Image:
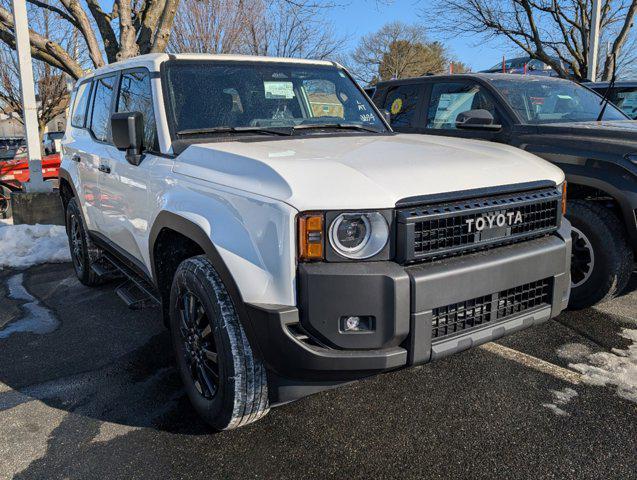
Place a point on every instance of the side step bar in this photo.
(136, 292)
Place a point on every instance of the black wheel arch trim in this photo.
(194, 232)
(627, 205)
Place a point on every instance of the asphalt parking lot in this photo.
(88, 390)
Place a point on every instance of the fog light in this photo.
(357, 324)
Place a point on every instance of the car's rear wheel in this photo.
(83, 252)
(225, 381)
(5, 202)
(602, 260)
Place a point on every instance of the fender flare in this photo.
(624, 202)
(194, 232)
(63, 174)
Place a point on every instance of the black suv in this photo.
(557, 120)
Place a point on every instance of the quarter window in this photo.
(78, 119)
(448, 100)
(402, 102)
(135, 95)
(101, 119)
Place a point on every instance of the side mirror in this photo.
(386, 116)
(476, 120)
(128, 133)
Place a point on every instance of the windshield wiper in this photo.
(606, 99)
(344, 126)
(225, 129)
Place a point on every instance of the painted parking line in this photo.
(535, 363)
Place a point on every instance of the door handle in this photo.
(76, 158)
(105, 169)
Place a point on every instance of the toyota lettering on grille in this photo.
(494, 219)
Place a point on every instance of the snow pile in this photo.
(22, 246)
(560, 398)
(617, 367)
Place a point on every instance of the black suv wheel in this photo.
(225, 381)
(602, 260)
(5, 202)
(83, 252)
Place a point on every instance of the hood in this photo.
(356, 172)
(616, 131)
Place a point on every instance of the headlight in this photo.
(359, 235)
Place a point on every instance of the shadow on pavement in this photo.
(107, 374)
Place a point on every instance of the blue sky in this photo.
(359, 17)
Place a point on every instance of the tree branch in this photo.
(86, 29)
(41, 47)
(103, 22)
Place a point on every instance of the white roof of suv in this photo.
(153, 61)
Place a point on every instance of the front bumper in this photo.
(305, 343)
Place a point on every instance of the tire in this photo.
(225, 382)
(602, 260)
(83, 252)
(5, 202)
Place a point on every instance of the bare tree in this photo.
(290, 28)
(51, 89)
(397, 50)
(554, 31)
(130, 28)
(211, 26)
(50, 83)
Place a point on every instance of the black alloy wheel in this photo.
(223, 378)
(200, 350)
(77, 253)
(5, 202)
(83, 252)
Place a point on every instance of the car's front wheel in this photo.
(224, 380)
(602, 260)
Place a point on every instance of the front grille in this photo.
(453, 228)
(525, 297)
(462, 316)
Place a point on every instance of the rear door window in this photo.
(102, 103)
(402, 104)
(448, 100)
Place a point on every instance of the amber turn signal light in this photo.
(311, 236)
(564, 198)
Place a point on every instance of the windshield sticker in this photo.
(279, 90)
(396, 106)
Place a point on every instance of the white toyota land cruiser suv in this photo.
(293, 240)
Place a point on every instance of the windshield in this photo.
(552, 101)
(229, 97)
